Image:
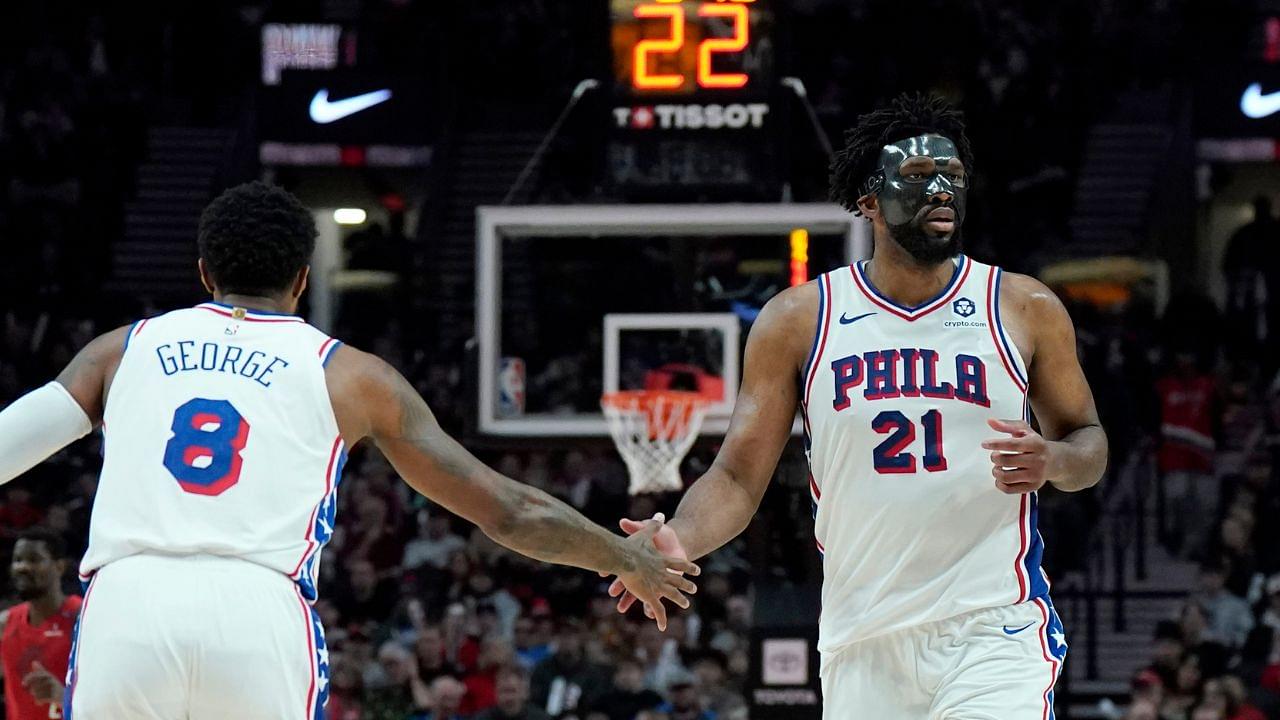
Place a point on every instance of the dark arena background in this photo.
(523, 204)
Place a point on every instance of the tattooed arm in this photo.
(372, 400)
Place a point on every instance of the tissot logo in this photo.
(1256, 105)
(691, 117)
(325, 111)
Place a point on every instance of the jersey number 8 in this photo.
(204, 453)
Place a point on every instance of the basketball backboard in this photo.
(548, 276)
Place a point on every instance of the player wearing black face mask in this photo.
(920, 185)
(907, 170)
(934, 604)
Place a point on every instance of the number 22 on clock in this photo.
(674, 14)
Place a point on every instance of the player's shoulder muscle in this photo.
(786, 326)
(1035, 311)
(366, 392)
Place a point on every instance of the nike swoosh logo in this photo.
(851, 320)
(1256, 105)
(1007, 631)
(324, 111)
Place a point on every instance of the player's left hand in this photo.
(667, 543)
(1020, 463)
(42, 684)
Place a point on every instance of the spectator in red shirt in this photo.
(1187, 401)
(513, 698)
(496, 652)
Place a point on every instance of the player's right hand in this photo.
(654, 576)
(667, 543)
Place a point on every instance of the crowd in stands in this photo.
(1219, 659)
(70, 137)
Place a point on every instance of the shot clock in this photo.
(692, 47)
(692, 83)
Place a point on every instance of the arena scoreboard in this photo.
(691, 90)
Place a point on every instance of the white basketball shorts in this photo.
(994, 664)
(195, 637)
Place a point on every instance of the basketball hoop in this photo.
(653, 430)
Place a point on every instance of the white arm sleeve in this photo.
(37, 425)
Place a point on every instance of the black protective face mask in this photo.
(907, 200)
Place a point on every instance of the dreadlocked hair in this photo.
(908, 115)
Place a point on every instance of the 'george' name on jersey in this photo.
(184, 356)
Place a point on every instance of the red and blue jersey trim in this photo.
(998, 336)
(134, 330)
(73, 664)
(1031, 578)
(818, 347)
(320, 526)
(1032, 581)
(1052, 649)
(810, 371)
(318, 652)
(327, 349)
(910, 314)
(249, 315)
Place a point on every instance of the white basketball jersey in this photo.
(895, 403)
(219, 439)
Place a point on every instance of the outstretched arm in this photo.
(47, 419)
(373, 400)
(1070, 451)
(718, 507)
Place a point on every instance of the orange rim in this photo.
(624, 399)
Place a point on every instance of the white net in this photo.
(653, 431)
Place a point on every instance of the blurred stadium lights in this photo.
(349, 216)
(799, 257)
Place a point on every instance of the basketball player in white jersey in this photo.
(916, 373)
(226, 427)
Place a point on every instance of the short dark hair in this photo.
(53, 542)
(908, 115)
(255, 238)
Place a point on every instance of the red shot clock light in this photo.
(799, 256)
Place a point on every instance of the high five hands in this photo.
(666, 542)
